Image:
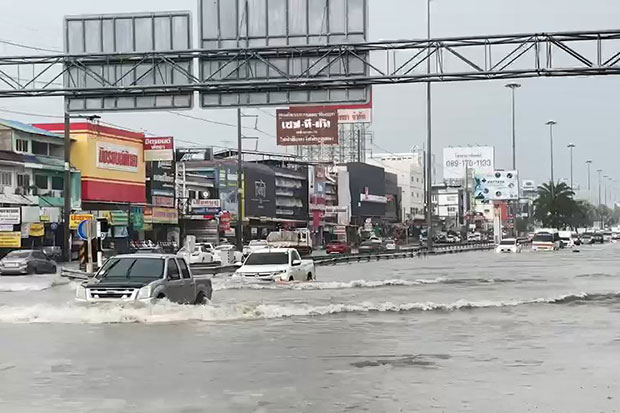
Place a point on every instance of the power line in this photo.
(25, 46)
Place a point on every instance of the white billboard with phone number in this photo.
(478, 159)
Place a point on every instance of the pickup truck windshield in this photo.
(267, 258)
(133, 268)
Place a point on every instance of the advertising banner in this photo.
(497, 186)
(161, 178)
(7, 228)
(206, 203)
(307, 127)
(117, 157)
(194, 154)
(37, 230)
(227, 185)
(260, 191)
(10, 216)
(456, 161)
(158, 149)
(75, 219)
(10, 239)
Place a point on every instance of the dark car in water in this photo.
(598, 238)
(372, 247)
(23, 262)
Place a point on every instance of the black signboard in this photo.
(194, 154)
(161, 180)
(260, 191)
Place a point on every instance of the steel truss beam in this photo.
(250, 70)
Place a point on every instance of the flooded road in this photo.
(475, 332)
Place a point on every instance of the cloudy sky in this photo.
(586, 109)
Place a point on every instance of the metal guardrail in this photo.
(402, 254)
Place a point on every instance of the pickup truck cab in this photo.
(277, 264)
(144, 278)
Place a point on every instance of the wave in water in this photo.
(169, 313)
(25, 284)
(341, 285)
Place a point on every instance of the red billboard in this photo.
(307, 126)
(158, 149)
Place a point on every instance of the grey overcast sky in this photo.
(586, 109)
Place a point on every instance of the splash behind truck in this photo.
(299, 239)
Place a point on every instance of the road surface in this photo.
(475, 332)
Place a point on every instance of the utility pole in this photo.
(66, 246)
(513, 87)
(429, 134)
(606, 178)
(570, 148)
(239, 229)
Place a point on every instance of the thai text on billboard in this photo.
(307, 127)
(477, 159)
(158, 149)
(117, 157)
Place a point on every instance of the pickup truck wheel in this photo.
(291, 279)
(161, 296)
(310, 277)
(200, 299)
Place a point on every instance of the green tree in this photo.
(555, 205)
(584, 214)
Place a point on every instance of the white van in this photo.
(546, 239)
(567, 238)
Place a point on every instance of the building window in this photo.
(40, 148)
(58, 183)
(23, 180)
(6, 179)
(40, 181)
(21, 145)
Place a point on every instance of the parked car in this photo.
(277, 264)
(199, 255)
(452, 238)
(338, 247)
(390, 245)
(22, 262)
(598, 238)
(509, 245)
(587, 238)
(474, 237)
(145, 278)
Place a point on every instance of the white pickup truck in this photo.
(277, 264)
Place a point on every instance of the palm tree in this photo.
(555, 205)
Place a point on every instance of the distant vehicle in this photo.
(587, 238)
(371, 247)
(509, 245)
(144, 278)
(277, 264)
(453, 239)
(598, 238)
(474, 237)
(220, 250)
(607, 236)
(390, 245)
(22, 262)
(567, 238)
(299, 239)
(199, 255)
(546, 240)
(338, 247)
(207, 247)
(615, 236)
(254, 245)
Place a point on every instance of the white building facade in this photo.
(409, 167)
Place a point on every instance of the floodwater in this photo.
(475, 332)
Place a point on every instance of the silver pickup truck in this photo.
(144, 278)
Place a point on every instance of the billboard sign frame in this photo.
(456, 161)
(237, 24)
(497, 186)
(158, 149)
(126, 36)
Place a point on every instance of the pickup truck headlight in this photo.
(144, 293)
(80, 293)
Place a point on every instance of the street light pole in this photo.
(429, 134)
(239, 228)
(513, 87)
(551, 124)
(606, 178)
(589, 163)
(570, 148)
(599, 186)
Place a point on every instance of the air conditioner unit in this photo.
(56, 194)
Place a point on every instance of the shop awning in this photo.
(12, 199)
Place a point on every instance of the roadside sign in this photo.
(83, 230)
(10, 239)
(76, 219)
(54, 226)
